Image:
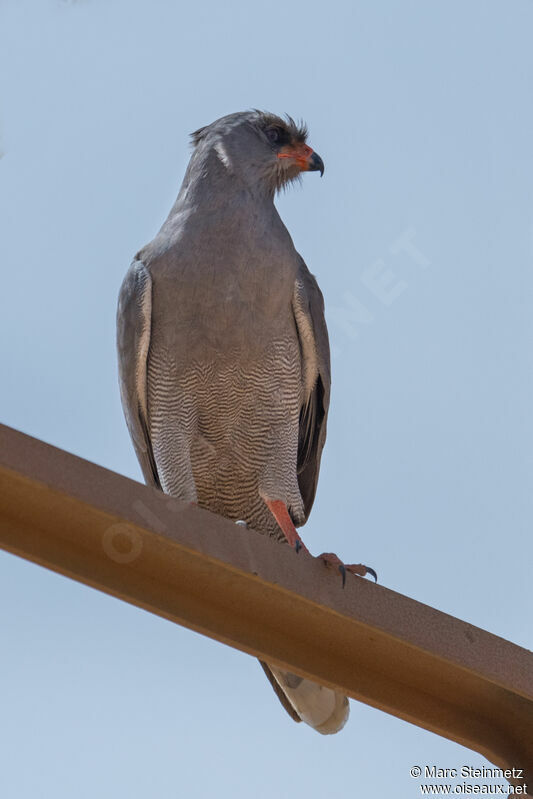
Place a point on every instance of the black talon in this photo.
(372, 572)
(298, 546)
(342, 570)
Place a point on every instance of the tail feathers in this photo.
(322, 708)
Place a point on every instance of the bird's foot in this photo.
(330, 559)
(279, 511)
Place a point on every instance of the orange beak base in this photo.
(303, 156)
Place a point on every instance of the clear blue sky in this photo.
(422, 113)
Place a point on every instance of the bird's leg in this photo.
(279, 511)
(354, 568)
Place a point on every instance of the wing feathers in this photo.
(134, 321)
(308, 309)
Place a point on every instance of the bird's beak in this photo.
(304, 157)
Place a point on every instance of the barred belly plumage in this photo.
(225, 429)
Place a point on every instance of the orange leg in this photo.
(279, 511)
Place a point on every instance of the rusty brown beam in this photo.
(242, 589)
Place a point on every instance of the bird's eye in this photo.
(273, 135)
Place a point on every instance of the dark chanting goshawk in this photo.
(224, 357)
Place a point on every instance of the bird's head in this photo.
(261, 147)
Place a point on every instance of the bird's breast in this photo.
(223, 301)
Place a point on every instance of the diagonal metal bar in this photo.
(240, 588)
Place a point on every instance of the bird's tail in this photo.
(322, 708)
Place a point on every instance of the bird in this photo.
(224, 363)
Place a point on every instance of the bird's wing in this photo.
(134, 321)
(308, 309)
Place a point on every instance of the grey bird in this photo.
(223, 353)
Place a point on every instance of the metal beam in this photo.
(241, 588)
